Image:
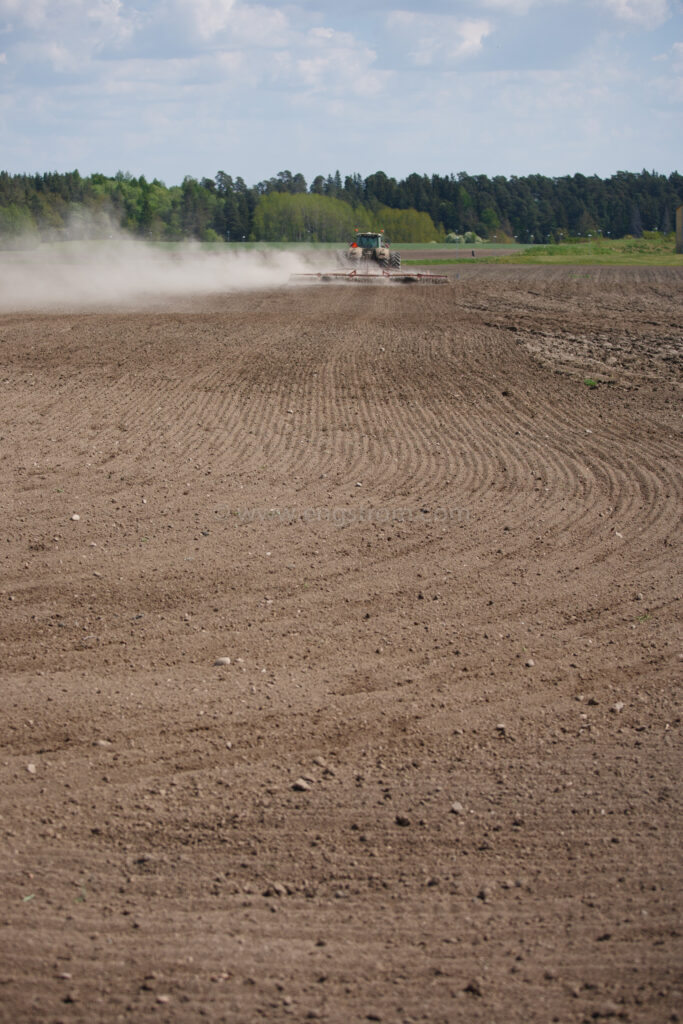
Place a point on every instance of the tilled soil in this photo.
(438, 779)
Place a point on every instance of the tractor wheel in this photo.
(383, 262)
(396, 259)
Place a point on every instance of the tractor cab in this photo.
(370, 240)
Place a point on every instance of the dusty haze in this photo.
(133, 274)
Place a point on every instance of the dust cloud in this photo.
(130, 274)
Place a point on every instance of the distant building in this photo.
(679, 228)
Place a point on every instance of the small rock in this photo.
(530, 663)
(75, 518)
(276, 889)
(402, 820)
(31, 769)
(301, 785)
(457, 807)
(163, 999)
(607, 1009)
(222, 661)
(474, 987)
(639, 597)
(619, 706)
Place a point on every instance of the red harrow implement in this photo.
(366, 277)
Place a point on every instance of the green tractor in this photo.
(372, 245)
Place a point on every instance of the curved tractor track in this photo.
(435, 532)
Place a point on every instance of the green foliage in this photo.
(17, 227)
(420, 208)
(284, 217)
(407, 225)
(657, 250)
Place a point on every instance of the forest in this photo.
(418, 208)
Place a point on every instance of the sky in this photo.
(169, 88)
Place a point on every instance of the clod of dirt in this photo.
(276, 889)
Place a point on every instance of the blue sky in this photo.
(167, 88)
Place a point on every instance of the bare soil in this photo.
(439, 779)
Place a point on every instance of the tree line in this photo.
(286, 208)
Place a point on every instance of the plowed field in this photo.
(439, 778)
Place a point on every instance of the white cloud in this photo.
(514, 6)
(209, 16)
(30, 12)
(648, 13)
(260, 27)
(670, 85)
(336, 62)
(169, 87)
(110, 21)
(433, 38)
(472, 35)
(56, 15)
(212, 22)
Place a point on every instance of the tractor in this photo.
(372, 245)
